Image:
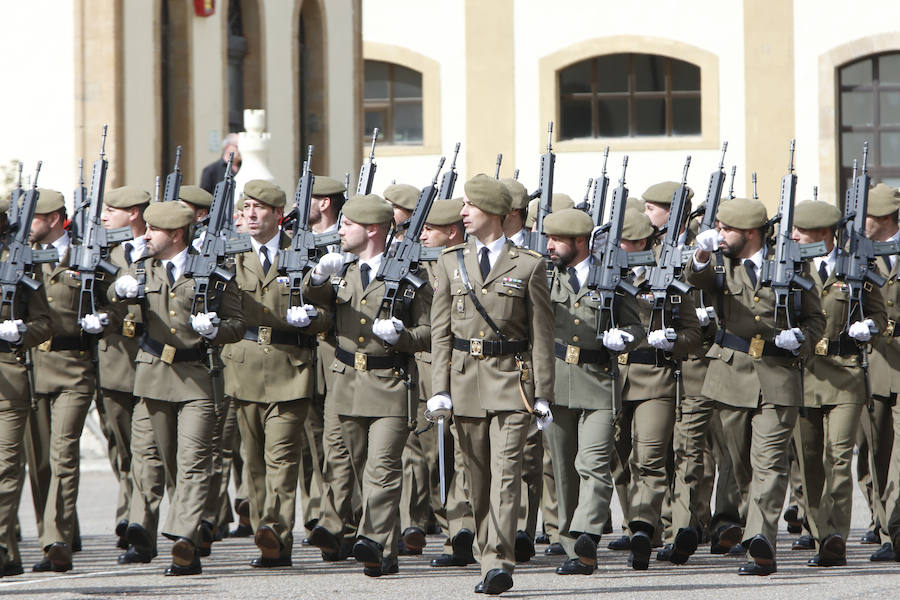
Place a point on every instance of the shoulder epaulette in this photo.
(453, 248)
(532, 252)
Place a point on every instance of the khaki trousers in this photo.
(212, 508)
(879, 415)
(312, 457)
(652, 423)
(892, 489)
(426, 443)
(37, 456)
(12, 430)
(549, 502)
(728, 506)
(692, 482)
(147, 473)
(492, 449)
(532, 482)
(116, 419)
(459, 509)
(341, 504)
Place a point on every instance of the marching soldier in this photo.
(514, 223)
(493, 326)
(757, 383)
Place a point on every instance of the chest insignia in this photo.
(460, 305)
(513, 283)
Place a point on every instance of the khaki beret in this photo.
(169, 215)
(518, 193)
(815, 215)
(401, 194)
(883, 200)
(49, 201)
(568, 222)
(239, 204)
(557, 202)
(370, 209)
(264, 191)
(445, 212)
(4, 204)
(488, 194)
(326, 186)
(661, 193)
(195, 195)
(635, 203)
(126, 197)
(636, 225)
(742, 213)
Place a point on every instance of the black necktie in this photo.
(485, 263)
(266, 263)
(751, 271)
(170, 271)
(364, 274)
(823, 270)
(128, 248)
(573, 280)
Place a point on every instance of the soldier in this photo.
(270, 374)
(371, 358)
(581, 435)
(834, 391)
(197, 199)
(172, 377)
(402, 198)
(514, 223)
(757, 383)
(32, 312)
(498, 344)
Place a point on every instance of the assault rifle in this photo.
(173, 179)
(497, 171)
(710, 206)
(448, 179)
(367, 170)
(601, 186)
(301, 256)
(537, 241)
(15, 199)
(731, 183)
(80, 201)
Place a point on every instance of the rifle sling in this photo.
(464, 275)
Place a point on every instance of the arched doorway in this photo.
(175, 87)
(311, 85)
(245, 61)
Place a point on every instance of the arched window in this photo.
(629, 95)
(393, 103)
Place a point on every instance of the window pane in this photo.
(857, 109)
(612, 73)
(407, 83)
(576, 78)
(890, 108)
(649, 73)
(890, 149)
(650, 117)
(408, 123)
(612, 118)
(685, 116)
(857, 74)
(576, 119)
(851, 147)
(685, 76)
(889, 68)
(893, 181)
(376, 79)
(375, 118)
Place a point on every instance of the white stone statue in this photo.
(254, 147)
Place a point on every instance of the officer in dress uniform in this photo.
(514, 223)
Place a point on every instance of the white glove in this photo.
(789, 339)
(297, 317)
(388, 329)
(542, 413)
(657, 338)
(438, 406)
(861, 331)
(615, 339)
(202, 324)
(328, 265)
(94, 322)
(126, 287)
(709, 240)
(703, 316)
(9, 331)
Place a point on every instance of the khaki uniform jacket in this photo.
(373, 392)
(167, 320)
(517, 298)
(884, 363)
(116, 350)
(423, 358)
(735, 378)
(272, 372)
(834, 379)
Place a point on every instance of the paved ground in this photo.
(226, 574)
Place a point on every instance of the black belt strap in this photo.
(844, 346)
(478, 305)
(734, 342)
(649, 356)
(6, 347)
(585, 356)
(391, 361)
(492, 347)
(281, 336)
(155, 348)
(68, 342)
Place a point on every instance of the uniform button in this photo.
(484, 291)
(266, 350)
(756, 318)
(361, 339)
(171, 313)
(725, 292)
(480, 334)
(756, 298)
(362, 321)
(363, 301)
(890, 302)
(49, 298)
(578, 321)
(130, 316)
(171, 294)
(172, 330)
(577, 304)
(266, 310)
(574, 338)
(824, 312)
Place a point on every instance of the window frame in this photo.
(387, 105)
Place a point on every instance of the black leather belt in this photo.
(481, 347)
(646, 356)
(842, 347)
(364, 362)
(580, 356)
(67, 342)
(267, 335)
(756, 348)
(5, 347)
(169, 354)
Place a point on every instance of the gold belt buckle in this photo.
(822, 347)
(476, 347)
(889, 330)
(168, 354)
(128, 328)
(264, 336)
(622, 359)
(756, 346)
(359, 361)
(573, 353)
(45, 346)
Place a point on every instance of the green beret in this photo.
(239, 204)
(4, 204)
(169, 215)
(815, 215)
(636, 225)
(195, 195)
(401, 194)
(488, 194)
(49, 201)
(445, 212)
(126, 197)
(635, 203)
(661, 193)
(742, 213)
(264, 191)
(557, 202)
(883, 200)
(326, 186)
(518, 193)
(568, 222)
(370, 209)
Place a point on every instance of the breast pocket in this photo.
(509, 300)
(460, 305)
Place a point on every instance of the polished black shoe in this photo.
(737, 550)
(404, 550)
(607, 527)
(449, 560)
(138, 537)
(727, 536)
(678, 553)
(57, 558)
(524, 548)
(11, 569)
(177, 570)
(497, 581)
(184, 553)
(884, 554)
(206, 539)
(268, 542)
(76, 544)
(433, 529)
(639, 559)
(554, 549)
(897, 543)
(620, 543)
(324, 540)
(368, 552)
(261, 562)
(414, 538)
(792, 518)
(752, 568)
(586, 548)
(832, 551)
(136, 555)
(479, 587)
(804, 542)
(121, 527)
(462, 544)
(763, 554)
(241, 531)
(304, 541)
(387, 566)
(542, 539)
(818, 561)
(122, 543)
(665, 553)
(870, 537)
(574, 566)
